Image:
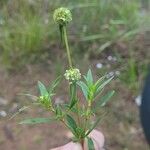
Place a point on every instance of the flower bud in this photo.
(62, 16)
(72, 75)
(45, 101)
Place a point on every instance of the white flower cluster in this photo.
(62, 16)
(72, 75)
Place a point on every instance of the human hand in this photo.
(96, 136)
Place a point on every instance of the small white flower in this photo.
(72, 75)
(99, 65)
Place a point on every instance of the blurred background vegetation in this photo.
(28, 33)
(110, 35)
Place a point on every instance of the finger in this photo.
(98, 139)
(69, 146)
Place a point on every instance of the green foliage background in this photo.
(28, 31)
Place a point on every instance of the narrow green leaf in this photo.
(117, 22)
(19, 111)
(81, 132)
(72, 104)
(129, 34)
(54, 84)
(105, 45)
(73, 93)
(93, 126)
(101, 86)
(89, 77)
(83, 5)
(42, 88)
(92, 37)
(90, 144)
(33, 97)
(71, 124)
(105, 99)
(91, 92)
(23, 108)
(84, 88)
(58, 111)
(99, 81)
(36, 120)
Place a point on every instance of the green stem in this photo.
(67, 45)
(73, 97)
(88, 116)
(78, 113)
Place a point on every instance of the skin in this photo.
(96, 136)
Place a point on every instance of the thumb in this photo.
(69, 146)
(98, 139)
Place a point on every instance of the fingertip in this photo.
(98, 138)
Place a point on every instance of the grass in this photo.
(28, 33)
(22, 34)
(27, 29)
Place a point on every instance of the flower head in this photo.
(62, 16)
(72, 75)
